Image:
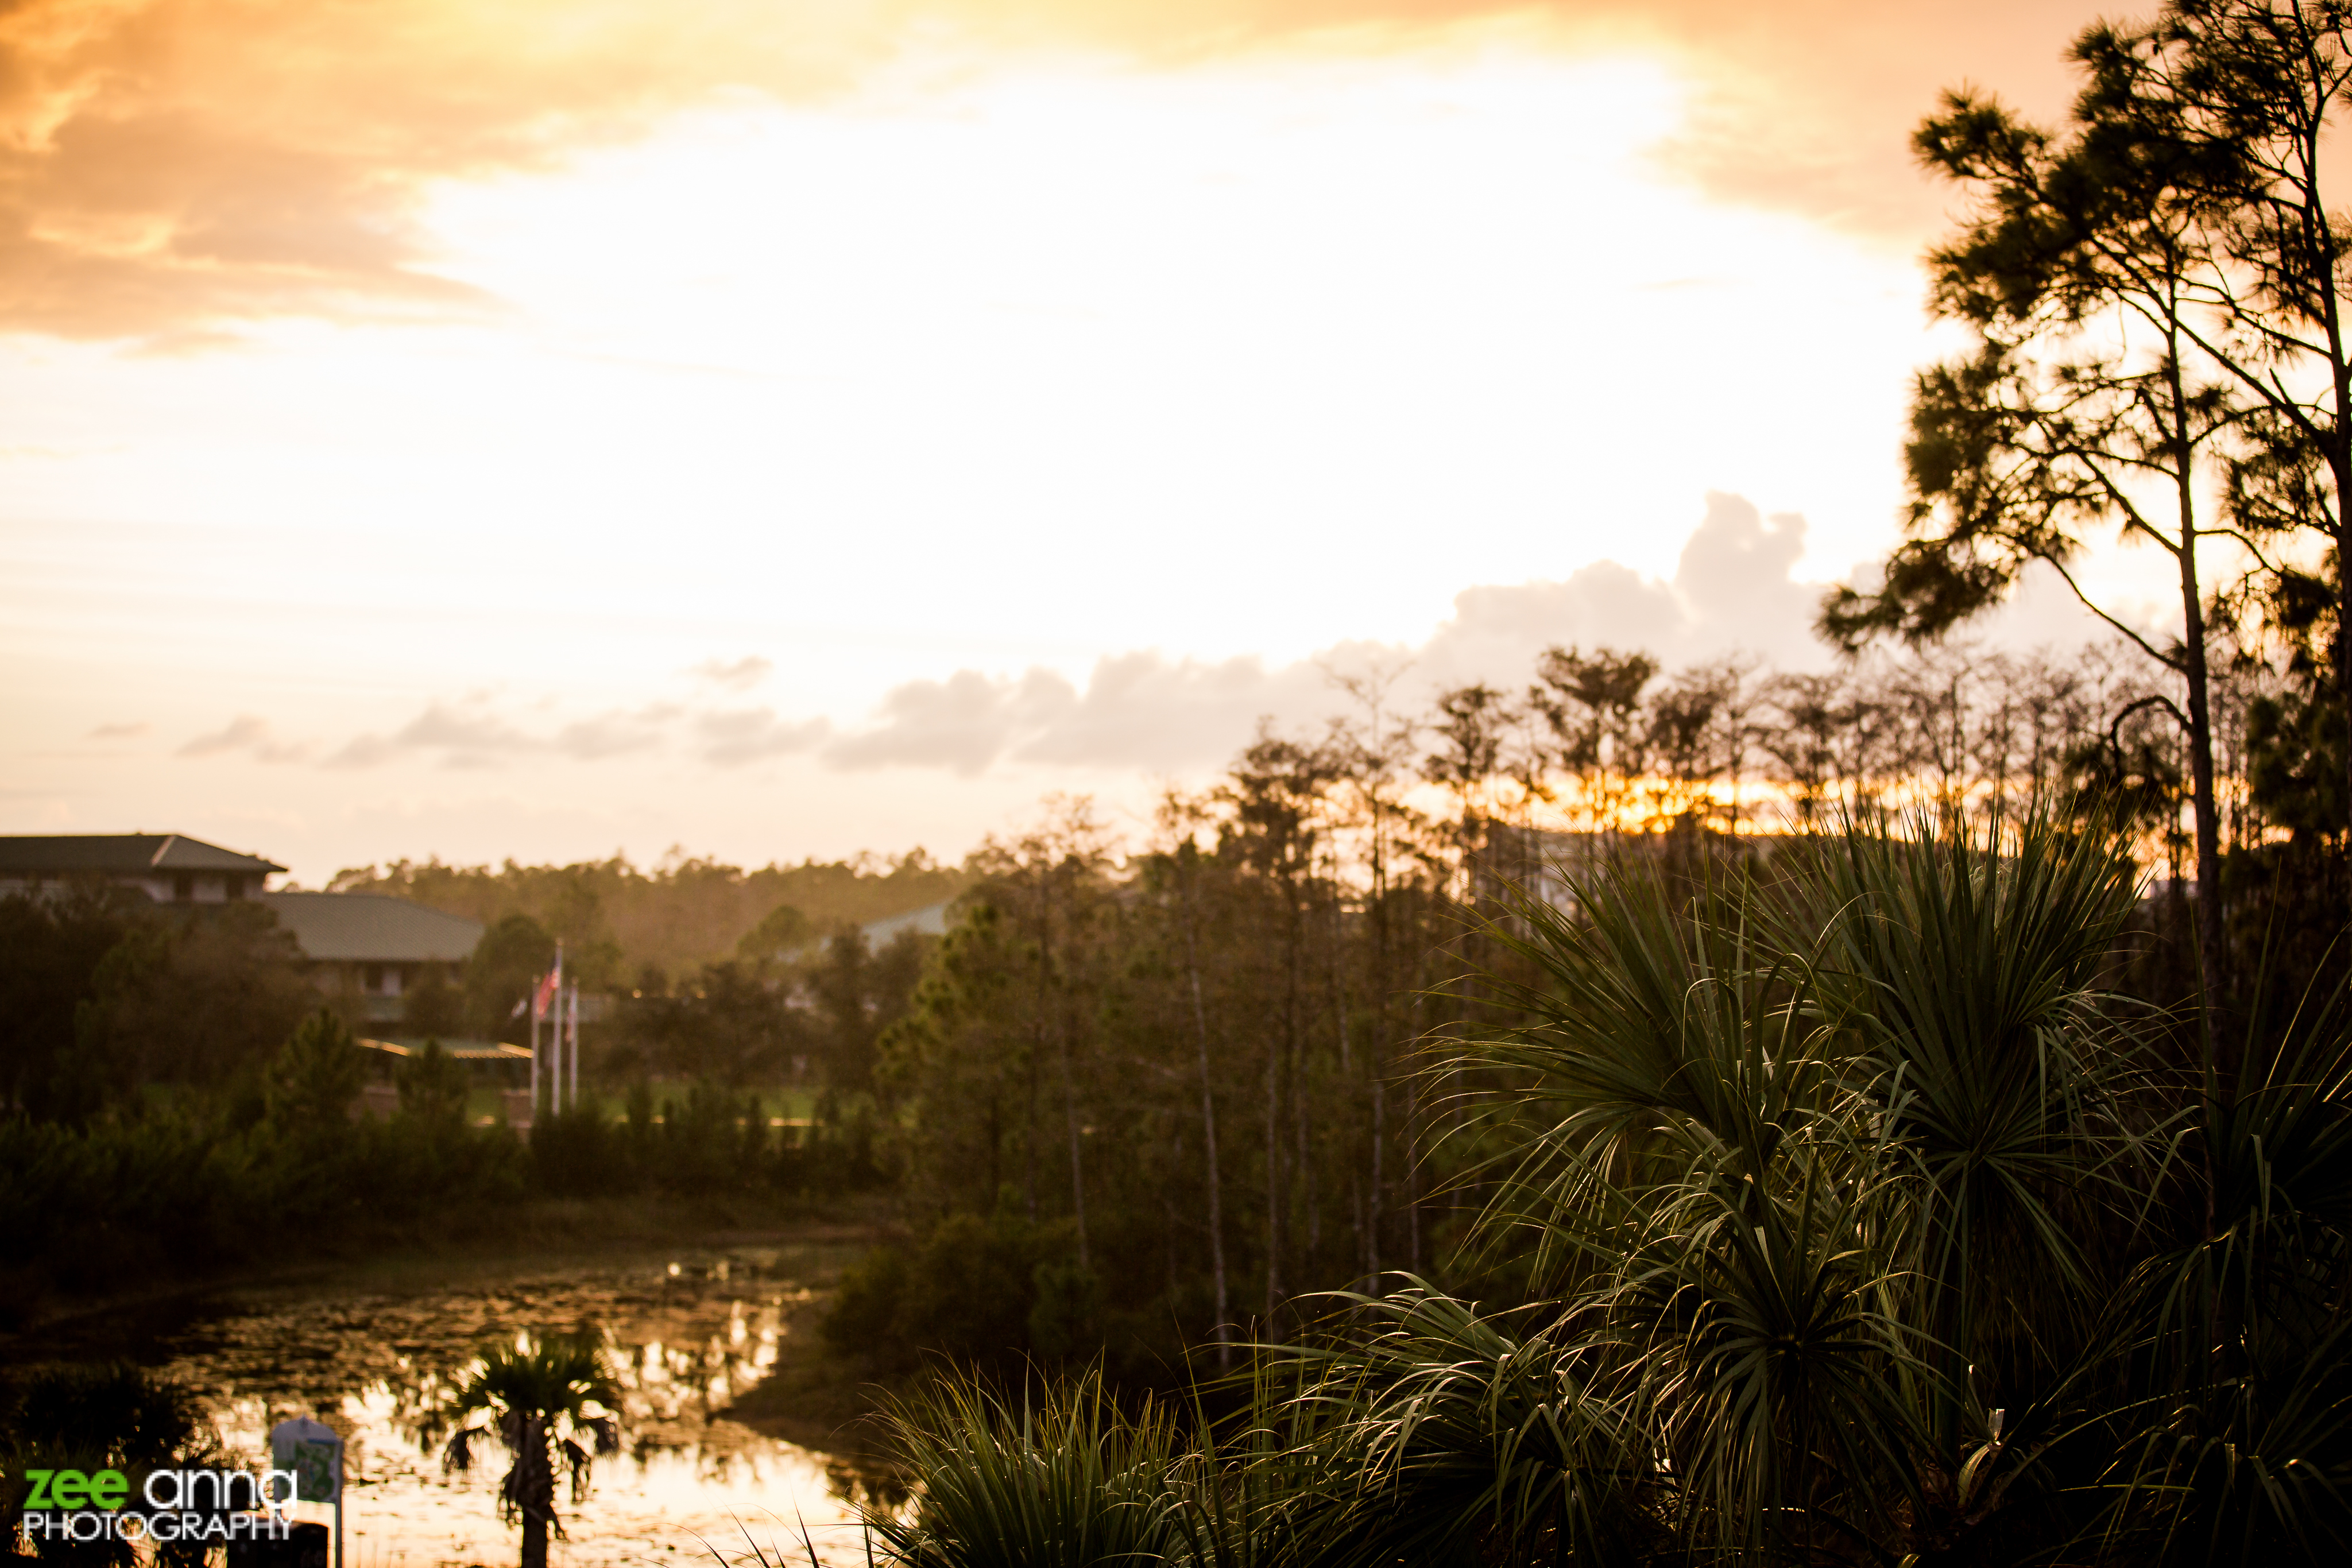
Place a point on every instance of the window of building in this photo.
(183, 886)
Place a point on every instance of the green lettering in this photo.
(40, 1498)
(107, 1489)
(68, 1489)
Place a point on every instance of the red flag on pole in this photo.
(544, 995)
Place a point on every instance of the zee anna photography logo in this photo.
(180, 1505)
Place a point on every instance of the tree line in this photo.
(1841, 1213)
(626, 928)
(1173, 1088)
(1908, 1189)
(1169, 1086)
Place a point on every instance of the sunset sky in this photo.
(531, 428)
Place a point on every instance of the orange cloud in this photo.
(170, 165)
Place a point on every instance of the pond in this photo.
(690, 1332)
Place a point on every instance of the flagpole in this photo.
(534, 1050)
(576, 1045)
(556, 1007)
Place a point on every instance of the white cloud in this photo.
(245, 732)
(962, 723)
(1139, 710)
(614, 734)
(467, 740)
(469, 734)
(363, 751)
(1732, 590)
(737, 736)
(739, 675)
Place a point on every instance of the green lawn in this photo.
(788, 1103)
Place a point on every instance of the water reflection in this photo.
(687, 1335)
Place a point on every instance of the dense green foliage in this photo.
(104, 1416)
(813, 1016)
(196, 1182)
(1061, 1479)
(193, 1187)
(1188, 1076)
(174, 1098)
(617, 922)
(102, 992)
(1862, 1221)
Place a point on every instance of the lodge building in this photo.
(169, 868)
(353, 944)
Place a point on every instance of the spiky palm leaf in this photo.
(1798, 1142)
(1443, 1434)
(1060, 1480)
(550, 1402)
(1868, 1229)
(1959, 971)
(1659, 1035)
(2247, 1442)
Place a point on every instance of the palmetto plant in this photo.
(1061, 1479)
(1864, 1226)
(1863, 1219)
(549, 1403)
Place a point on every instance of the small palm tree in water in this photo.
(550, 1403)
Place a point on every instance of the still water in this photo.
(688, 1333)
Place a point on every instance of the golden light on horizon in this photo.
(443, 404)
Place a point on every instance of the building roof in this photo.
(456, 1049)
(117, 854)
(372, 928)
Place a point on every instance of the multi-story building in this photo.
(372, 949)
(169, 868)
(360, 945)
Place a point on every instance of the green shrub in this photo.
(863, 1320)
(986, 1292)
(576, 1152)
(1067, 1480)
(433, 1087)
(316, 1074)
(112, 1416)
(1065, 1315)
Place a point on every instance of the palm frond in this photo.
(1960, 970)
(1660, 1033)
(540, 1397)
(1446, 1435)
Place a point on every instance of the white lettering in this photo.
(178, 1485)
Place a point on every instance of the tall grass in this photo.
(1057, 1479)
